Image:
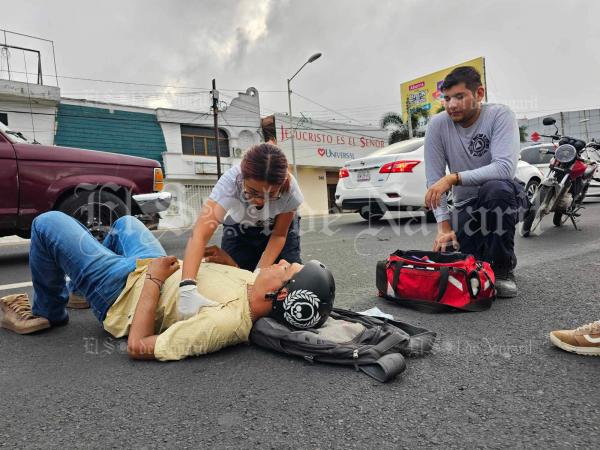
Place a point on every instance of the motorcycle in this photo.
(563, 190)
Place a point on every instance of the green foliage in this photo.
(523, 133)
(393, 122)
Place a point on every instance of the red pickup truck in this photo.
(94, 187)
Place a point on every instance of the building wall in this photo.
(320, 148)
(30, 109)
(241, 122)
(313, 184)
(581, 124)
(191, 178)
(110, 128)
(20, 119)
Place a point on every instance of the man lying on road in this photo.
(133, 290)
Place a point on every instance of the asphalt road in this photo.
(493, 380)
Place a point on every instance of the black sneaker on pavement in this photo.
(506, 287)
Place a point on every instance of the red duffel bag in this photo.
(436, 281)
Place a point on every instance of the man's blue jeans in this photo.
(247, 244)
(485, 227)
(61, 246)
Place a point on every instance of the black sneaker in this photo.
(506, 287)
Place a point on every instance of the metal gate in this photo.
(186, 203)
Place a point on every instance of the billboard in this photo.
(424, 92)
(326, 144)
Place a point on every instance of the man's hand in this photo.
(216, 254)
(190, 302)
(433, 197)
(445, 239)
(162, 268)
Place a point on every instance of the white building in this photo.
(321, 149)
(581, 124)
(30, 109)
(190, 160)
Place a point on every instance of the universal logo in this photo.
(328, 153)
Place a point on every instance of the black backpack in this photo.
(374, 345)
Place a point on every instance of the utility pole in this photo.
(215, 108)
(292, 130)
(408, 120)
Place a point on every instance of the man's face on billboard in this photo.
(461, 103)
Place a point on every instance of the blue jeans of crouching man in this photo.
(61, 246)
(246, 244)
(485, 226)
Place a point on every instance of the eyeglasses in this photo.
(252, 195)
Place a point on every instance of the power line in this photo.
(323, 106)
(131, 83)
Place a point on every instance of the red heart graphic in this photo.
(321, 151)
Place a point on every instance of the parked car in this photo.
(393, 179)
(94, 187)
(537, 156)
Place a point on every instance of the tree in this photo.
(415, 115)
(393, 122)
(523, 133)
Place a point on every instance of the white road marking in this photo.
(6, 287)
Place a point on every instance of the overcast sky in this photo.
(541, 56)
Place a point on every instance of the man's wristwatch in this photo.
(188, 282)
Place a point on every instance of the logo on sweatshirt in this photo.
(479, 145)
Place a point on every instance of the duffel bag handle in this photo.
(443, 285)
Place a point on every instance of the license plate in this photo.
(363, 175)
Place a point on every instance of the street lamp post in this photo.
(311, 59)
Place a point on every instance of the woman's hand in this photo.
(190, 302)
(211, 216)
(217, 255)
(162, 268)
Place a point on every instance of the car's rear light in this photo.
(344, 173)
(398, 166)
(159, 181)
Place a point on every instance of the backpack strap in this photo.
(421, 339)
(385, 368)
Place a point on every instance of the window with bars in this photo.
(200, 141)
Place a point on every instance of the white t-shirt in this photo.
(228, 192)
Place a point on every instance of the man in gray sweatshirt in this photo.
(479, 143)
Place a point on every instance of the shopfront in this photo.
(321, 149)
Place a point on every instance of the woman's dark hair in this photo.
(464, 74)
(266, 162)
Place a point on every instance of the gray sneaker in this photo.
(506, 287)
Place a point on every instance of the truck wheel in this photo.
(96, 210)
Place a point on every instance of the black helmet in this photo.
(310, 297)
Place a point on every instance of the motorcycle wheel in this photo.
(534, 215)
(559, 219)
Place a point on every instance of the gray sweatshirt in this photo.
(487, 150)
